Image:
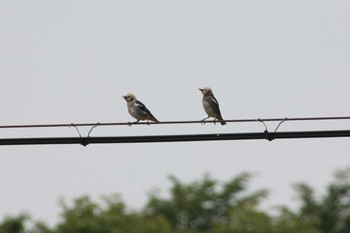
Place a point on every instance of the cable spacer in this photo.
(82, 141)
(285, 119)
(267, 134)
(93, 128)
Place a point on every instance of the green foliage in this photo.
(40, 227)
(82, 217)
(111, 216)
(245, 218)
(202, 206)
(331, 213)
(289, 222)
(14, 224)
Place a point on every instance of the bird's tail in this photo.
(222, 122)
(152, 118)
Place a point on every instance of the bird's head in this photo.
(206, 91)
(129, 97)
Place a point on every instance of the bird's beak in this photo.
(124, 97)
(200, 89)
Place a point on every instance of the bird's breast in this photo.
(208, 108)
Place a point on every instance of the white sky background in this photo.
(71, 61)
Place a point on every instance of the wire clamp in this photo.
(93, 128)
(82, 141)
(267, 134)
(285, 119)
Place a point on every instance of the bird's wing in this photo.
(142, 107)
(215, 105)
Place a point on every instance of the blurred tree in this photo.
(331, 213)
(86, 216)
(245, 218)
(204, 206)
(14, 224)
(289, 222)
(40, 227)
(82, 217)
(198, 206)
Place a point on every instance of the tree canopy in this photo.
(202, 206)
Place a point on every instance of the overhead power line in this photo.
(173, 122)
(175, 138)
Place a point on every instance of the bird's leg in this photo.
(214, 121)
(203, 121)
(130, 123)
(148, 123)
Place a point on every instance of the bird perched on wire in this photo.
(211, 105)
(137, 109)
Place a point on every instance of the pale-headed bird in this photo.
(211, 105)
(137, 109)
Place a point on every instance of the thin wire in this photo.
(174, 122)
(76, 128)
(280, 124)
(93, 128)
(262, 121)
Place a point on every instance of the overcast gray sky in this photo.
(71, 61)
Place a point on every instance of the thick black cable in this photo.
(175, 138)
